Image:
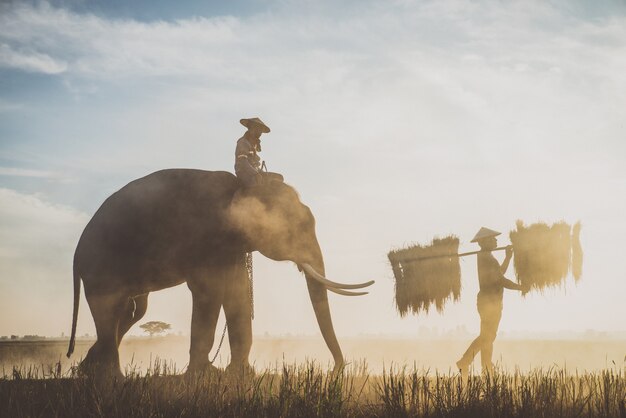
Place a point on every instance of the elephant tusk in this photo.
(308, 269)
(346, 292)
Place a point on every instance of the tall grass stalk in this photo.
(308, 390)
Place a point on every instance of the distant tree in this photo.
(155, 327)
(33, 337)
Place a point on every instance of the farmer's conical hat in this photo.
(248, 123)
(485, 233)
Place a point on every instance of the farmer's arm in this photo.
(507, 259)
(508, 284)
(496, 275)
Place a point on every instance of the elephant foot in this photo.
(240, 370)
(101, 363)
(99, 371)
(204, 368)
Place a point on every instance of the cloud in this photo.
(37, 241)
(268, 47)
(400, 84)
(30, 61)
(32, 227)
(8, 106)
(447, 67)
(24, 172)
(101, 48)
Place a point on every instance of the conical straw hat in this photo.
(485, 233)
(255, 121)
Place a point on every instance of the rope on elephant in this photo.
(250, 281)
(220, 344)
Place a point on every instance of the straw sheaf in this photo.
(421, 282)
(577, 253)
(543, 254)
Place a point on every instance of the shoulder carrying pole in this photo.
(452, 255)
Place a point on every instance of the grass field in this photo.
(38, 386)
(306, 390)
(434, 354)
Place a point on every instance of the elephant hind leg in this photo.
(103, 357)
(135, 310)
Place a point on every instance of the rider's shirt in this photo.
(247, 161)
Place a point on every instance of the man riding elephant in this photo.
(248, 167)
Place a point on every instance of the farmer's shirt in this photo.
(247, 161)
(489, 277)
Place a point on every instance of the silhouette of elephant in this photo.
(194, 226)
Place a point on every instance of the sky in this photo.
(396, 121)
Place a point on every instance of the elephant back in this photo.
(170, 219)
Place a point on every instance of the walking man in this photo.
(492, 284)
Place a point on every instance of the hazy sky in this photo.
(396, 120)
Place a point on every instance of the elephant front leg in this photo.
(238, 310)
(205, 312)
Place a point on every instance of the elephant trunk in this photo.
(319, 300)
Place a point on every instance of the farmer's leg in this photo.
(489, 330)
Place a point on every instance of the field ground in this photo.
(525, 355)
(400, 378)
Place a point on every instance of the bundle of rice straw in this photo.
(577, 253)
(423, 280)
(543, 253)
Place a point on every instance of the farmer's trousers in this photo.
(490, 311)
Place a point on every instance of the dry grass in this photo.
(307, 390)
(422, 281)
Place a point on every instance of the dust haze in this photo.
(578, 353)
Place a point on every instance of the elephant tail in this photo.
(75, 313)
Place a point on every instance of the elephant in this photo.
(194, 226)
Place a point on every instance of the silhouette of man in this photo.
(489, 301)
(247, 161)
